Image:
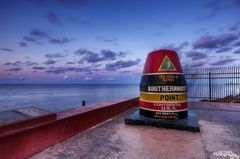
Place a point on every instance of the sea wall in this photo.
(31, 140)
(32, 121)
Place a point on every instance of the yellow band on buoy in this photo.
(163, 97)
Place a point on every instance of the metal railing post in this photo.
(210, 86)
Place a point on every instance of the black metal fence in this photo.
(221, 84)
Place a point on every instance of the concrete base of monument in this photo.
(190, 123)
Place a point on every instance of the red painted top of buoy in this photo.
(161, 61)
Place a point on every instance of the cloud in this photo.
(214, 7)
(83, 52)
(65, 69)
(70, 63)
(122, 64)
(29, 63)
(37, 35)
(77, 21)
(84, 22)
(125, 71)
(23, 44)
(29, 39)
(20, 63)
(20, 78)
(237, 44)
(8, 64)
(174, 46)
(224, 49)
(182, 45)
(89, 56)
(121, 54)
(235, 27)
(17, 63)
(88, 78)
(214, 4)
(108, 54)
(61, 41)
(168, 47)
(7, 49)
(223, 62)
(53, 18)
(201, 30)
(38, 68)
(57, 55)
(195, 55)
(214, 42)
(110, 79)
(80, 62)
(59, 70)
(104, 55)
(158, 34)
(208, 16)
(50, 62)
(237, 3)
(14, 69)
(237, 51)
(196, 64)
(165, 25)
(102, 38)
(72, 2)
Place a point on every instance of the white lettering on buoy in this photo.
(167, 88)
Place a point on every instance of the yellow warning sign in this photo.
(163, 97)
(167, 65)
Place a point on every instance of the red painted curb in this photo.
(25, 143)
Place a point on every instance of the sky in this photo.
(107, 41)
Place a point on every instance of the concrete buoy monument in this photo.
(163, 94)
(163, 88)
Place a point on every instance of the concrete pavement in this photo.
(220, 131)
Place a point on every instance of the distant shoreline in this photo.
(227, 99)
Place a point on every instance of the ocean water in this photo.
(220, 88)
(60, 97)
